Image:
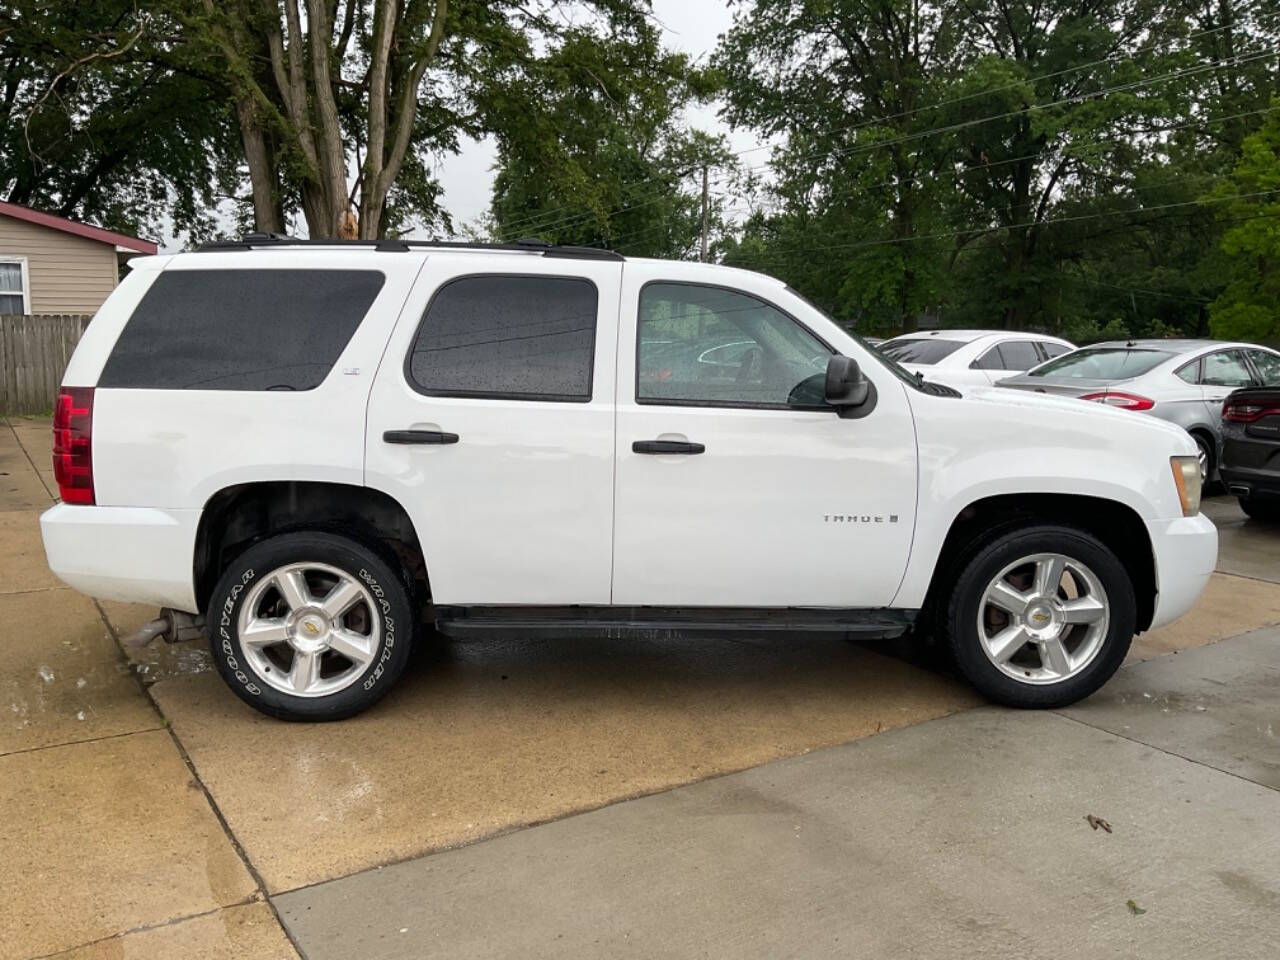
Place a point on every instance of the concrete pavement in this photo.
(145, 812)
(961, 837)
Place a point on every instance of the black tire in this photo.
(965, 597)
(392, 607)
(1268, 511)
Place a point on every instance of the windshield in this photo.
(922, 350)
(1102, 363)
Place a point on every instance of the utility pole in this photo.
(703, 255)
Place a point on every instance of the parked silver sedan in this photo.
(1182, 381)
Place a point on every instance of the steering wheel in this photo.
(750, 358)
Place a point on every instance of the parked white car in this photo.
(323, 448)
(966, 358)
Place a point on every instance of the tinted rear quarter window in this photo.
(505, 336)
(240, 329)
(1019, 354)
(922, 350)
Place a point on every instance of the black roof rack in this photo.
(252, 241)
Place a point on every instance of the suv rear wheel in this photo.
(310, 626)
(1041, 617)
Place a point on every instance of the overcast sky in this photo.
(691, 26)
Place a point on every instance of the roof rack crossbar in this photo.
(400, 245)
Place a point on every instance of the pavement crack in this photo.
(1165, 751)
(27, 453)
(72, 743)
(261, 892)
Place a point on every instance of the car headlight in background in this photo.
(1188, 479)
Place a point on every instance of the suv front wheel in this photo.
(310, 626)
(1041, 617)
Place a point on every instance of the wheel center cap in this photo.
(1041, 619)
(311, 633)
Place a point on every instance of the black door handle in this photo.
(666, 446)
(419, 436)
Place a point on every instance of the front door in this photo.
(736, 485)
(491, 421)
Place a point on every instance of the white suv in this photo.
(325, 449)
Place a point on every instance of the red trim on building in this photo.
(19, 212)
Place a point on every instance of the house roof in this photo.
(19, 212)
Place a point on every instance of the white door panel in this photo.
(519, 509)
(783, 508)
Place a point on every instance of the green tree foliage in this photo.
(1024, 164)
(102, 121)
(1249, 307)
(591, 148)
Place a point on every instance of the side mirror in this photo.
(845, 385)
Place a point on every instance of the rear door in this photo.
(491, 421)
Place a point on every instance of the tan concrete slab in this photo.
(35, 434)
(104, 837)
(22, 563)
(1247, 548)
(1229, 607)
(20, 485)
(488, 736)
(64, 678)
(250, 932)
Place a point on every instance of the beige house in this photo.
(51, 265)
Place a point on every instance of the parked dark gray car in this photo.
(1182, 381)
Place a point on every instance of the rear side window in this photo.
(240, 329)
(991, 360)
(1019, 354)
(1052, 349)
(1268, 366)
(504, 336)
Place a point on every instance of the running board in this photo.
(667, 622)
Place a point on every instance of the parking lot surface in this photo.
(147, 812)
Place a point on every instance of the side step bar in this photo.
(666, 622)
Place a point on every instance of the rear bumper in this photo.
(132, 554)
(1186, 552)
(1250, 483)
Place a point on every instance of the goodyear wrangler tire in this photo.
(310, 626)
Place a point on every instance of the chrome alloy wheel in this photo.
(1043, 618)
(309, 629)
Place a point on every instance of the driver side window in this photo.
(710, 346)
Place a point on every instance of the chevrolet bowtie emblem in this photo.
(311, 628)
(1040, 617)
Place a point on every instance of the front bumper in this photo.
(1186, 553)
(132, 554)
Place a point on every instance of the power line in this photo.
(630, 238)
(874, 121)
(1236, 60)
(978, 231)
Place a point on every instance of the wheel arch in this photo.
(1115, 524)
(236, 517)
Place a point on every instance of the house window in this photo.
(13, 287)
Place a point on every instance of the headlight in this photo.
(1188, 479)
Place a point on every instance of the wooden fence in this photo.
(34, 351)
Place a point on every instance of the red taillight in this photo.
(1123, 401)
(73, 444)
(1242, 411)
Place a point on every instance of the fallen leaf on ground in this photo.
(1097, 822)
(1136, 910)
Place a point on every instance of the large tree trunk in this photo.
(268, 216)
